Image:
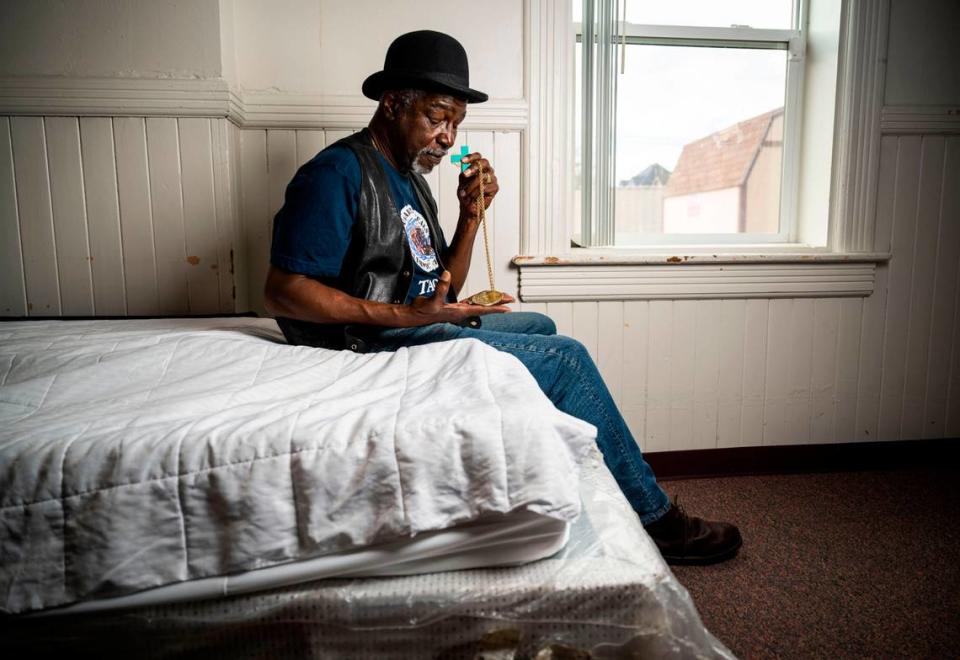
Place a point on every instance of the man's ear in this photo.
(389, 102)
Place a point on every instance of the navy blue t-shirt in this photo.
(312, 231)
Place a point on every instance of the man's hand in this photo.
(436, 310)
(469, 186)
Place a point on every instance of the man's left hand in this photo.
(469, 186)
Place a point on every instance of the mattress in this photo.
(141, 454)
(606, 594)
(514, 538)
(533, 491)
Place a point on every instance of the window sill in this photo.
(697, 272)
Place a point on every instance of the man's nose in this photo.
(447, 137)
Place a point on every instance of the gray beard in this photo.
(420, 168)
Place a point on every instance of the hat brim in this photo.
(381, 81)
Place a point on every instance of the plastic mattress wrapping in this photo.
(606, 594)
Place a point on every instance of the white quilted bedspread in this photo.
(139, 453)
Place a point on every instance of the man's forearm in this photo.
(309, 300)
(459, 253)
(300, 297)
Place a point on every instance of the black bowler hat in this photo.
(424, 60)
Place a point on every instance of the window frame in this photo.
(839, 161)
(598, 113)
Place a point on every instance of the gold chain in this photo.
(483, 217)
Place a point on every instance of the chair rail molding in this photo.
(116, 97)
(277, 110)
(920, 119)
(167, 97)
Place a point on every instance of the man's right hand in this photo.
(436, 310)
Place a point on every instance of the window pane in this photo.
(699, 141)
(771, 14)
(768, 14)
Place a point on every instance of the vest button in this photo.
(406, 273)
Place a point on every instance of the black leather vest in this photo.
(377, 265)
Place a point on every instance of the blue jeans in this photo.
(567, 375)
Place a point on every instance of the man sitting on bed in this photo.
(359, 262)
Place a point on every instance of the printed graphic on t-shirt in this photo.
(418, 237)
(427, 287)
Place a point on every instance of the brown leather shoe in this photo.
(685, 539)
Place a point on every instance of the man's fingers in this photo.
(472, 160)
(489, 183)
(473, 169)
(476, 162)
(472, 309)
(470, 183)
(435, 302)
(493, 309)
(443, 284)
(490, 188)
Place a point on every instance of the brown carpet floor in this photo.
(833, 565)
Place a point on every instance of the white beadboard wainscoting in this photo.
(129, 215)
(117, 216)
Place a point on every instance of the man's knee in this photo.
(523, 323)
(569, 348)
(541, 324)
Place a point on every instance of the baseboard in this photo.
(786, 459)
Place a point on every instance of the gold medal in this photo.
(486, 298)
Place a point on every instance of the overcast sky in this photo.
(670, 96)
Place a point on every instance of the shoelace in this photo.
(684, 518)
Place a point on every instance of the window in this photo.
(687, 121)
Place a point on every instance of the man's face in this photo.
(428, 128)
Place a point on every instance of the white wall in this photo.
(110, 38)
(277, 45)
(923, 52)
(330, 46)
(228, 40)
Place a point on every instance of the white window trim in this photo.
(863, 63)
(547, 224)
(698, 278)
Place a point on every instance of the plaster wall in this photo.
(923, 52)
(328, 46)
(110, 38)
